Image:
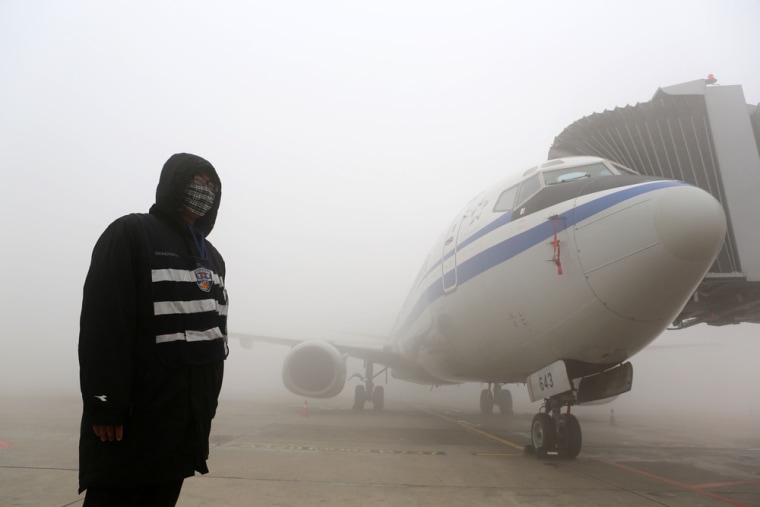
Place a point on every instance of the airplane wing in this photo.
(369, 348)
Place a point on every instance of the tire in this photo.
(486, 402)
(504, 401)
(543, 434)
(572, 439)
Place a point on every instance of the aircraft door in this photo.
(449, 259)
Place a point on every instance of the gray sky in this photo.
(347, 135)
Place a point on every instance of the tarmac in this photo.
(280, 452)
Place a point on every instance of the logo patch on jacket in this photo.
(204, 278)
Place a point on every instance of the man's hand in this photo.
(109, 433)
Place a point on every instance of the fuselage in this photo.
(578, 259)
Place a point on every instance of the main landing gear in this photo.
(369, 392)
(553, 432)
(495, 395)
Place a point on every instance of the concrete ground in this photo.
(265, 452)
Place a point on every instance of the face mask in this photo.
(198, 199)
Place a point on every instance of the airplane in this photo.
(554, 279)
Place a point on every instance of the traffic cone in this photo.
(305, 409)
(613, 421)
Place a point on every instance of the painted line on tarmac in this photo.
(717, 485)
(473, 429)
(350, 450)
(699, 490)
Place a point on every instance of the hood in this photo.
(175, 175)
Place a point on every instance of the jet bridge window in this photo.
(575, 173)
(506, 200)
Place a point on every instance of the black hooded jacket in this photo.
(152, 340)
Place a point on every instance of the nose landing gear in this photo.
(555, 433)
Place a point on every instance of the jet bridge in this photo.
(706, 135)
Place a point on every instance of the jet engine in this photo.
(314, 369)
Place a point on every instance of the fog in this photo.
(346, 134)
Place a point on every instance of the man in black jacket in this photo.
(152, 343)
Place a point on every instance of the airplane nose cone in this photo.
(644, 259)
(690, 223)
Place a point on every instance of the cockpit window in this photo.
(506, 200)
(550, 174)
(575, 173)
(528, 188)
(624, 170)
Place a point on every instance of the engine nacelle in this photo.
(314, 369)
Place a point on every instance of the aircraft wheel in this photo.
(486, 402)
(570, 437)
(504, 401)
(543, 434)
(359, 398)
(378, 398)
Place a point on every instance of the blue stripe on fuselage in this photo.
(505, 250)
(500, 221)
